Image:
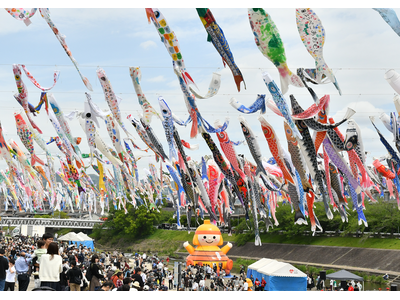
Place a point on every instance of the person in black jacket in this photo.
(138, 277)
(74, 276)
(3, 267)
(95, 271)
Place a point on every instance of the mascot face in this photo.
(209, 239)
(207, 235)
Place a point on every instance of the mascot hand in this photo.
(185, 244)
(229, 245)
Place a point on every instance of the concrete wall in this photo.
(354, 258)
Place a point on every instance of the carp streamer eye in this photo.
(272, 88)
(103, 78)
(164, 111)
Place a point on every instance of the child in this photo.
(36, 260)
(10, 276)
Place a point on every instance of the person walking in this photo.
(10, 276)
(22, 269)
(74, 276)
(4, 265)
(51, 267)
(95, 273)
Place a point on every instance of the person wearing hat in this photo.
(3, 268)
(136, 286)
(114, 276)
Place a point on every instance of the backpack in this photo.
(89, 274)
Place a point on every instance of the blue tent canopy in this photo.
(279, 276)
(88, 244)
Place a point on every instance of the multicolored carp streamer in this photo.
(22, 96)
(33, 80)
(280, 102)
(111, 98)
(258, 105)
(213, 88)
(22, 14)
(312, 33)
(269, 42)
(148, 110)
(217, 38)
(170, 41)
(45, 12)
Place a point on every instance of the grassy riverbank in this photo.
(171, 240)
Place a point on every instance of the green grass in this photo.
(378, 243)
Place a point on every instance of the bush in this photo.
(242, 239)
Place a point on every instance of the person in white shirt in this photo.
(202, 284)
(51, 267)
(10, 276)
(144, 276)
(170, 281)
(245, 286)
(195, 286)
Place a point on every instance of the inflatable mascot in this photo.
(207, 238)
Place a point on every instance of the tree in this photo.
(137, 223)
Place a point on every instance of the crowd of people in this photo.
(43, 263)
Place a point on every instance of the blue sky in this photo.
(359, 46)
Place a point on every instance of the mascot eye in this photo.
(204, 237)
(214, 237)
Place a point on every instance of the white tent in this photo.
(71, 236)
(78, 239)
(84, 236)
(253, 268)
(283, 270)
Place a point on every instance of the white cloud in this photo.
(148, 44)
(160, 78)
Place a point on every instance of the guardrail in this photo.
(58, 223)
